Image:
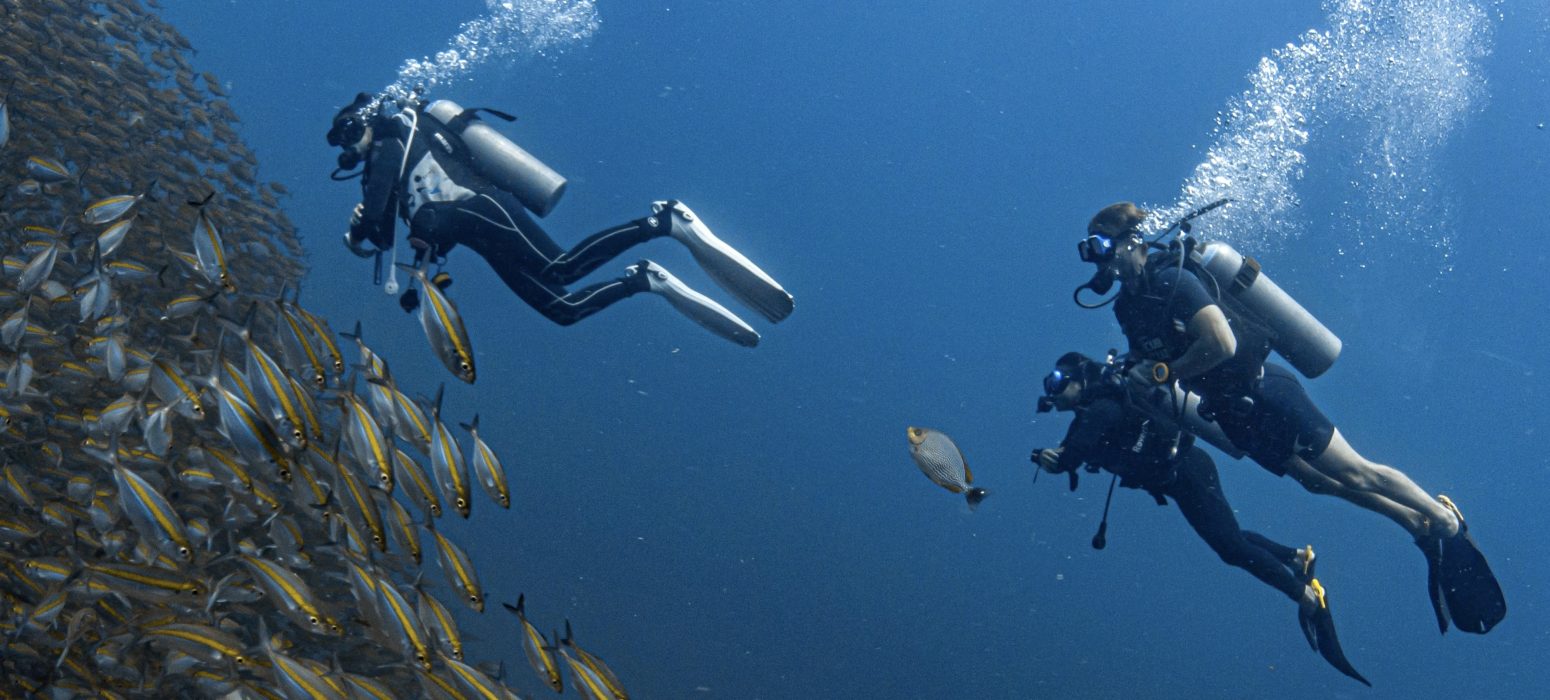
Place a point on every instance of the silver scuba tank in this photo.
(504, 163)
(1295, 334)
(1170, 404)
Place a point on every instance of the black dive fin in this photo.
(1319, 627)
(1431, 547)
(1473, 596)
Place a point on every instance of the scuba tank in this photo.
(1294, 333)
(1168, 404)
(1172, 405)
(499, 160)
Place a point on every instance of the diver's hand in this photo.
(1048, 459)
(355, 216)
(359, 249)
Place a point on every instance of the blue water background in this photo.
(724, 523)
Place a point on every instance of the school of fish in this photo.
(205, 491)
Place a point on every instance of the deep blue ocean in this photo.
(718, 522)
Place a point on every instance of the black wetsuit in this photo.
(1107, 435)
(1260, 406)
(447, 203)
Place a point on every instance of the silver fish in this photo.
(47, 170)
(38, 269)
(110, 208)
(487, 467)
(209, 250)
(443, 326)
(942, 462)
(152, 515)
(113, 236)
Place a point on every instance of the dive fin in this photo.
(1431, 548)
(1473, 595)
(702, 309)
(730, 269)
(1318, 625)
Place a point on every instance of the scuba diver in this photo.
(1214, 344)
(455, 180)
(1107, 432)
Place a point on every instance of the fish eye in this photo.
(461, 504)
(312, 620)
(185, 553)
(285, 475)
(240, 660)
(473, 599)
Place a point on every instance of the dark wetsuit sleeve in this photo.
(379, 194)
(1088, 430)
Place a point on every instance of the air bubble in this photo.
(1379, 91)
(513, 29)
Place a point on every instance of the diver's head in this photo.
(1065, 388)
(351, 131)
(1114, 243)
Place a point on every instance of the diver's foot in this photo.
(1451, 525)
(1304, 563)
(1472, 595)
(702, 309)
(729, 268)
(1318, 625)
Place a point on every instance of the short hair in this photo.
(1072, 361)
(1117, 220)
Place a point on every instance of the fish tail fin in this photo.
(974, 496)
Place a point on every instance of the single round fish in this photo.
(942, 462)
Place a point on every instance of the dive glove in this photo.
(359, 249)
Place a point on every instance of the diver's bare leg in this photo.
(1342, 463)
(1316, 482)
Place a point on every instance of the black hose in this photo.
(1101, 539)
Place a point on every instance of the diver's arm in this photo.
(1088, 429)
(1211, 343)
(378, 199)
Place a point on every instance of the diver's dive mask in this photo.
(348, 128)
(1055, 383)
(1096, 248)
(350, 122)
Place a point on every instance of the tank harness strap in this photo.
(1246, 275)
